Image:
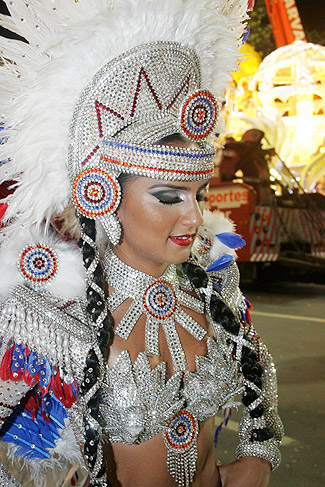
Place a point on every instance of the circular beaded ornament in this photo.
(160, 300)
(182, 431)
(38, 263)
(198, 115)
(95, 193)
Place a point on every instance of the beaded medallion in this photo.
(96, 193)
(198, 115)
(181, 442)
(160, 300)
(38, 264)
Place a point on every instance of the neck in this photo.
(153, 269)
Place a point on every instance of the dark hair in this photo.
(250, 367)
(173, 139)
(102, 322)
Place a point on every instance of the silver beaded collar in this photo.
(159, 299)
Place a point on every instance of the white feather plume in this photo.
(216, 222)
(68, 42)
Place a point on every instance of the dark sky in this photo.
(312, 13)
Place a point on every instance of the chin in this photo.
(179, 257)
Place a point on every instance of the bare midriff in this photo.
(144, 465)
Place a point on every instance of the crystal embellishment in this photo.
(181, 442)
(198, 115)
(38, 264)
(96, 193)
(161, 300)
(130, 104)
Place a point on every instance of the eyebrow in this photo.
(181, 188)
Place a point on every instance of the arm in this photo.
(244, 472)
(261, 434)
(256, 459)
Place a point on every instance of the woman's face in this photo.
(159, 220)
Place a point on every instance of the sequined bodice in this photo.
(138, 402)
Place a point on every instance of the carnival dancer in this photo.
(116, 354)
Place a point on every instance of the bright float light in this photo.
(286, 99)
(305, 128)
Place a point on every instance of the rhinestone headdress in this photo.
(129, 73)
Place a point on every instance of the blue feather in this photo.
(19, 359)
(232, 240)
(217, 432)
(221, 263)
(217, 285)
(45, 374)
(20, 429)
(33, 364)
(246, 35)
(53, 408)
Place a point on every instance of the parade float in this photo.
(270, 177)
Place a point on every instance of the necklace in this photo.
(159, 299)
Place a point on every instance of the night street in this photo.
(290, 319)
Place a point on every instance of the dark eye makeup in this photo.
(167, 197)
(172, 197)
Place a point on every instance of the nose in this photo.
(192, 215)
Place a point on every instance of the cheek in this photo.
(146, 216)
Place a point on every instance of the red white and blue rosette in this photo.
(38, 264)
(182, 431)
(198, 115)
(160, 300)
(180, 439)
(96, 193)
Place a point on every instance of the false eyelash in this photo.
(170, 201)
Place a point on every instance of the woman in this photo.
(162, 341)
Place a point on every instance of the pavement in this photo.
(290, 318)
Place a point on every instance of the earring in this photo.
(112, 227)
(97, 195)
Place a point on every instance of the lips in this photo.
(182, 240)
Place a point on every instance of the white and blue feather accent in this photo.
(34, 437)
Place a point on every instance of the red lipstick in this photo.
(182, 240)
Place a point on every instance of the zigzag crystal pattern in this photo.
(129, 102)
